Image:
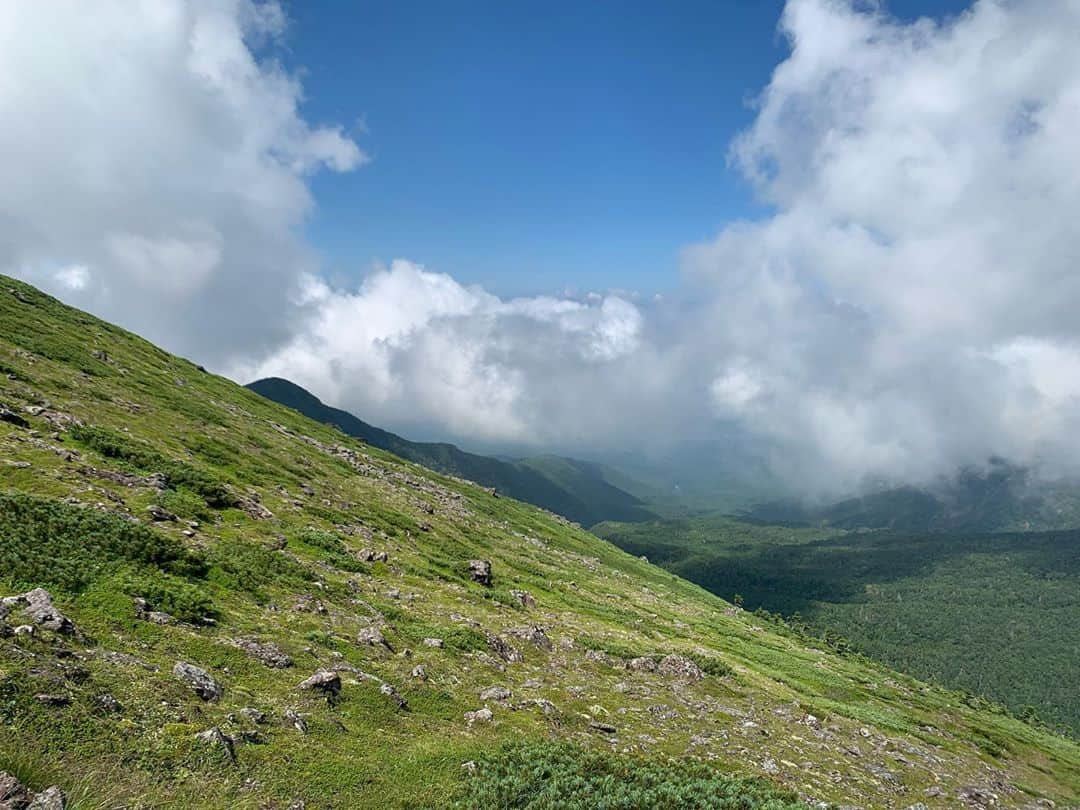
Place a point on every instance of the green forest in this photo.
(994, 614)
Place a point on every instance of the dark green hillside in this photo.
(995, 614)
(574, 489)
(1002, 497)
(209, 600)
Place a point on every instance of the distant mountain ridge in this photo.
(1001, 497)
(574, 489)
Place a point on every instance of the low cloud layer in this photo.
(907, 307)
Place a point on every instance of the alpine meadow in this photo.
(510, 406)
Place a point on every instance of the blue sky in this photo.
(532, 147)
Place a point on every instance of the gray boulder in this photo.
(480, 571)
(200, 681)
(325, 681)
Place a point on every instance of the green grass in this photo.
(535, 776)
(994, 614)
(87, 537)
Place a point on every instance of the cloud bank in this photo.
(907, 306)
(154, 169)
(912, 303)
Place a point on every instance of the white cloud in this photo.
(147, 145)
(73, 277)
(911, 304)
(415, 346)
(907, 306)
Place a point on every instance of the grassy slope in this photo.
(573, 489)
(996, 614)
(881, 741)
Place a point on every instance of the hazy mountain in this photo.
(577, 490)
(1001, 497)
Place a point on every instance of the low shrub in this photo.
(169, 594)
(144, 458)
(49, 542)
(542, 775)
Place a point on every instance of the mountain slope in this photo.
(136, 485)
(583, 496)
(938, 605)
(1002, 497)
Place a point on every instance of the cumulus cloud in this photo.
(416, 346)
(155, 166)
(910, 305)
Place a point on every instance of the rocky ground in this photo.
(211, 601)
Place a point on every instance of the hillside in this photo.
(971, 611)
(1001, 497)
(574, 489)
(246, 608)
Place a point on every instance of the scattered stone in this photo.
(13, 418)
(479, 716)
(24, 630)
(143, 611)
(917, 806)
(253, 715)
(532, 683)
(603, 728)
(253, 509)
(678, 666)
(109, 704)
(37, 604)
(543, 704)
(523, 598)
(52, 798)
(419, 672)
(480, 571)
(642, 664)
(769, 766)
(214, 737)
(393, 694)
(977, 796)
(298, 722)
(496, 693)
(52, 700)
(325, 681)
(433, 642)
(12, 793)
(373, 636)
(502, 648)
(200, 681)
(469, 766)
(160, 514)
(393, 593)
(370, 555)
(534, 634)
(599, 657)
(270, 654)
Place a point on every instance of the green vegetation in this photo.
(1001, 497)
(140, 457)
(45, 542)
(994, 614)
(534, 776)
(335, 555)
(578, 490)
